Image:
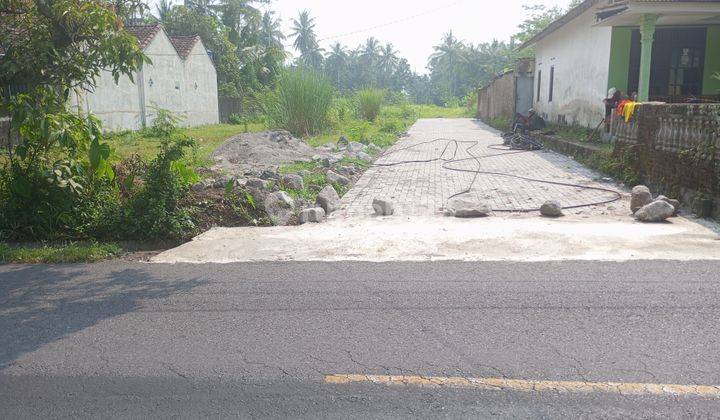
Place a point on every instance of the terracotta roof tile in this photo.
(184, 44)
(144, 33)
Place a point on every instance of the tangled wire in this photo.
(518, 144)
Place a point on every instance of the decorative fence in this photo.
(676, 149)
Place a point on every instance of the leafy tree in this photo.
(59, 169)
(64, 43)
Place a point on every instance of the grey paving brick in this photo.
(422, 189)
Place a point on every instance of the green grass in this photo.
(208, 137)
(571, 132)
(70, 253)
(434, 111)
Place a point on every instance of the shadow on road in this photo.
(41, 304)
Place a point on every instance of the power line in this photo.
(394, 22)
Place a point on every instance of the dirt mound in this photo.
(256, 152)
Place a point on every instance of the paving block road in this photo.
(422, 189)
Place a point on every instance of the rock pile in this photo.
(649, 210)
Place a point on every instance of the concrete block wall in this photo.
(497, 99)
(677, 149)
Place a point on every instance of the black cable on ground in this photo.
(447, 162)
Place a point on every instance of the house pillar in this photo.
(647, 32)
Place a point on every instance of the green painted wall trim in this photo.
(711, 86)
(619, 58)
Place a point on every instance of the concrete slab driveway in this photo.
(423, 188)
(419, 232)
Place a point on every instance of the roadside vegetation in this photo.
(65, 180)
(58, 254)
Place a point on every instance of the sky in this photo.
(418, 24)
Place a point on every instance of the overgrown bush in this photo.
(164, 124)
(369, 103)
(301, 103)
(55, 178)
(153, 210)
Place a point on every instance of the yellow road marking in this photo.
(573, 387)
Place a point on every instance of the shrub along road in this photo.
(116, 339)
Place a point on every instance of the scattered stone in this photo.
(672, 202)
(293, 181)
(365, 157)
(256, 183)
(641, 197)
(335, 158)
(224, 181)
(343, 141)
(198, 187)
(655, 212)
(280, 207)
(383, 207)
(314, 215)
(336, 178)
(467, 208)
(347, 170)
(269, 175)
(328, 199)
(355, 147)
(551, 209)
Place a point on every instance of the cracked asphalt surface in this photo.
(256, 340)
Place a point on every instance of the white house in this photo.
(663, 50)
(182, 78)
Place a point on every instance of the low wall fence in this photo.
(676, 149)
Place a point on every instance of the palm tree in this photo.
(336, 65)
(203, 7)
(306, 40)
(387, 62)
(447, 59)
(163, 10)
(241, 17)
(270, 33)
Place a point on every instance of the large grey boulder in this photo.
(365, 157)
(655, 212)
(355, 147)
(467, 208)
(328, 199)
(672, 202)
(383, 207)
(314, 215)
(256, 183)
(280, 207)
(551, 209)
(293, 181)
(641, 197)
(336, 178)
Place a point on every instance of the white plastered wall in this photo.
(201, 96)
(168, 83)
(580, 54)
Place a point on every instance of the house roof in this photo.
(144, 33)
(588, 4)
(184, 44)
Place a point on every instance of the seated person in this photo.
(533, 122)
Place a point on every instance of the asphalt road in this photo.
(257, 340)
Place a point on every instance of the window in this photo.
(539, 85)
(552, 83)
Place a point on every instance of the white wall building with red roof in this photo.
(180, 78)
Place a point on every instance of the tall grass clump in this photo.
(369, 103)
(301, 103)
